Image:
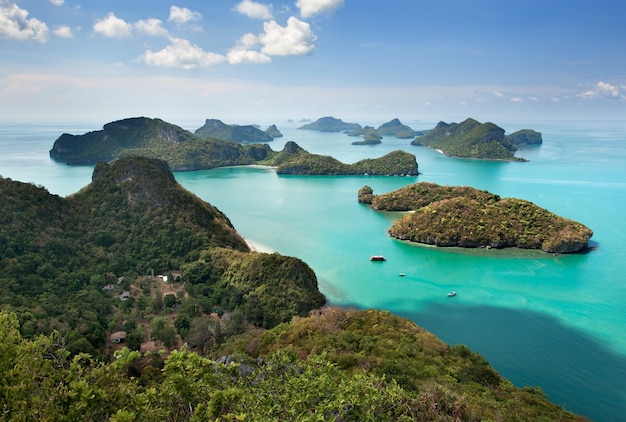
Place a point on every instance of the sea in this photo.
(557, 322)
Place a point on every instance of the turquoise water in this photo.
(557, 322)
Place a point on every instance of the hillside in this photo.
(183, 151)
(295, 160)
(330, 124)
(395, 128)
(214, 128)
(108, 143)
(467, 217)
(470, 139)
(334, 365)
(132, 221)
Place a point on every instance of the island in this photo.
(295, 160)
(185, 151)
(133, 299)
(472, 139)
(330, 124)
(396, 128)
(467, 217)
(214, 128)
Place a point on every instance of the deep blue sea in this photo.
(557, 322)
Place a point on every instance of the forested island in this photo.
(467, 217)
(185, 151)
(472, 139)
(132, 299)
(214, 128)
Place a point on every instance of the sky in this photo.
(245, 62)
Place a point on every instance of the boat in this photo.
(452, 293)
(377, 258)
(401, 274)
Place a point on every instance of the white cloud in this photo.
(517, 100)
(151, 27)
(181, 54)
(113, 27)
(604, 90)
(182, 15)
(310, 8)
(497, 93)
(294, 39)
(254, 10)
(57, 2)
(15, 24)
(607, 90)
(63, 31)
(242, 52)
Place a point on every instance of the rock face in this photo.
(273, 132)
(106, 144)
(330, 124)
(214, 128)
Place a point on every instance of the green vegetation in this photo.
(525, 137)
(370, 137)
(330, 124)
(395, 128)
(466, 217)
(214, 128)
(338, 365)
(183, 151)
(295, 160)
(470, 139)
(59, 254)
(231, 335)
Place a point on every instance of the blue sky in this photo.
(359, 60)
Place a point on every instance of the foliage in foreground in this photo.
(39, 381)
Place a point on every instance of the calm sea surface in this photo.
(558, 322)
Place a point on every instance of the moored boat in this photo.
(377, 258)
(452, 293)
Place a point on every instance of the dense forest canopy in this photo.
(133, 220)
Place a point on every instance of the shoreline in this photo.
(257, 247)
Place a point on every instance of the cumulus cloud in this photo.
(63, 31)
(294, 39)
(604, 90)
(243, 53)
(181, 54)
(181, 15)
(113, 27)
(15, 24)
(151, 27)
(310, 8)
(254, 10)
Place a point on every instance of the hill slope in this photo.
(469, 139)
(467, 217)
(58, 254)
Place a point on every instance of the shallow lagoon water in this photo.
(551, 321)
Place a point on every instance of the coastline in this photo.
(257, 247)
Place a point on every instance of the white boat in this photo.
(452, 293)
(377, 258)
